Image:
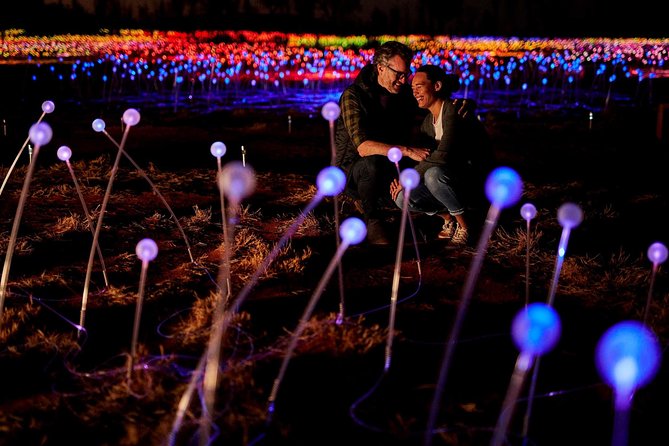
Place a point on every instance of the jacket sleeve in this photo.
(354, 116)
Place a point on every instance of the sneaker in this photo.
(376, 235)
(447, 230)
(460, 237)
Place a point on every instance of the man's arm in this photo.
(355, 117)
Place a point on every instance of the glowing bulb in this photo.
(528, 211)
(627, 355)
(394, 154)
(64, 153)
(131, 117)
(570, 215)
(409, 178)
(40, 134)
(99, 125)
(536, 328)
(353, 230)
(218, 149)
(237, 181)
(503, 187)
(330, 111)
(146, 250)
(331, 181)
(48, 106)
(657, 253)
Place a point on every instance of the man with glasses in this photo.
(378, 112)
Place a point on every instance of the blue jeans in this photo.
(435, 195)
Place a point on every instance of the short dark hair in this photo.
(449, 82)
(391, 49)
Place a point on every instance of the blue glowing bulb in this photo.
(330, 111)
(40, 134)
(536, 328)
(218, 149)
(570, 215)
(48, 106)
(394, 154)
(64, 153)
(131, 117)
(237, 181)
(99, 125)
(353, 230)
(657, 253)
(331, 181)
(503, 187)
(528, 211)
(409, 178)
(627, 356)
(146, 250)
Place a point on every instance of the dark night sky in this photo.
(518, 18)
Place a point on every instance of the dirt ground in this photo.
(58, 387)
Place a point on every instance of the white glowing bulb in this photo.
(64, 153)
(99, 125)
(131, 117)
(48, 106)
(40, 134)
(146, 250)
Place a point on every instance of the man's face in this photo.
(393, 74)
(423, 90)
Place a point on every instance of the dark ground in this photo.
(53, 391)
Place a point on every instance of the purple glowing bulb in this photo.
(353, 230)
(570, 215)
(218, 149)
(131, 117)
(40, 134)
(627, 356)
(394, 154)
(146, 250)
(99, 125)
(331, 181)
(528, 211)
(330, 111)
(536, 329)
(64, 153)
(503, 187)
(48, 106)
(237, 181)
(409, 178)
(657, 253)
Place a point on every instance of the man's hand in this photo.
(465, 107)
(415, 153)
(395, 189)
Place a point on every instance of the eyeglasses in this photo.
(399, 75)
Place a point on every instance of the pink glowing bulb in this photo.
(353, 230)
(409, 178)
(528, 211)
(570, 215)
(64, 153)
(99, 125)
(394, 154)
(40, 134)
(330, 111)
(237, 181)
(218, 149)
(657, 253)
(331, 181)
(131, 117)
(48, 106)
(146, 250)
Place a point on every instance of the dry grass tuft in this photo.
(322, 334)
(71, 223)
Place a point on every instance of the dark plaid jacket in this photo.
(370, 112)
